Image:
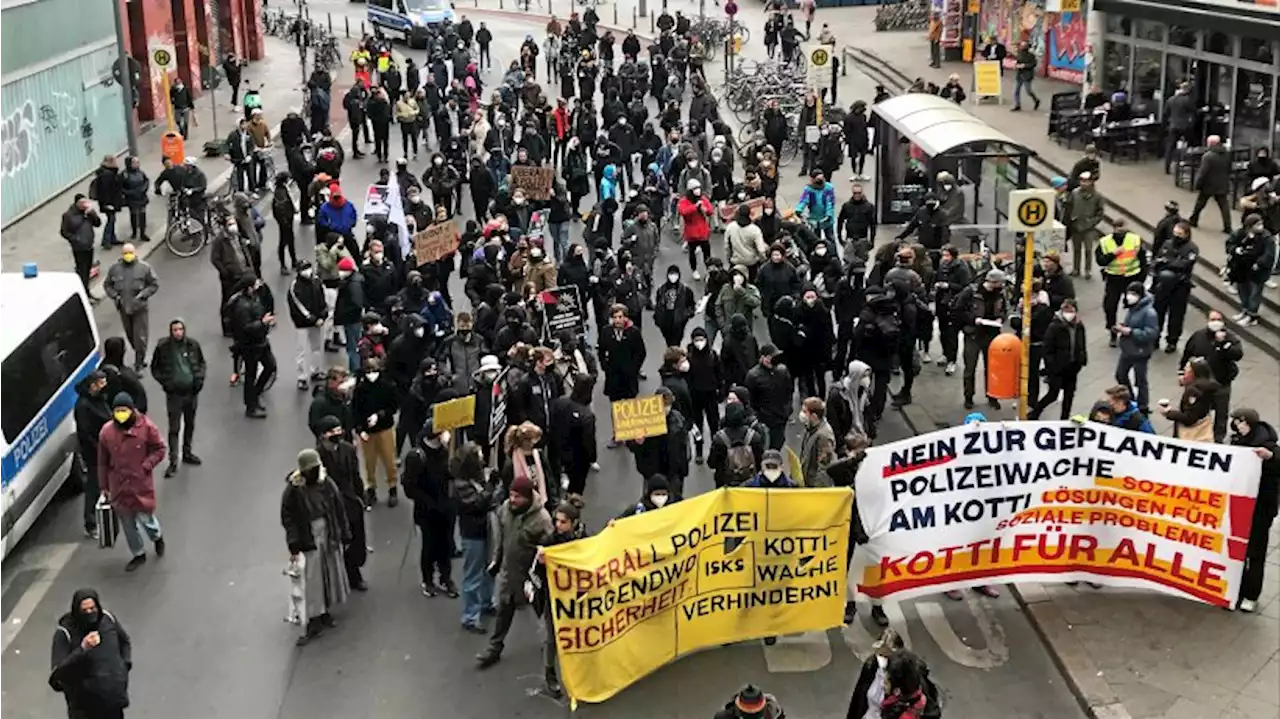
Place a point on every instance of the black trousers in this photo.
(1221, 410)
(975, 348)
(705, 409)
(287, 245)
(695, 247)
(949, 335)
(1202, 199)
(381, 141)
(1255, 555)
(83, 260)
(485, 59)
(1172, 305)
(91, 491)
(812, 381)
(409, 136)
(355, 554)
(1064, 383)
(907, 363)
(259, 370)
(227, 285)
(181, 409)
(437, 550)
(1112, 295)
(577, 478)
(777, 434)
(879, 393)
(138, 222)
(357, 130)
(1033, 379)
(844, 342)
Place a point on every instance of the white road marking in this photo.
(996, 651)
(807, 652)
(51, 562)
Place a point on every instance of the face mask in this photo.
(697, 193)
(1131, 298)
(772, 474)
(519, 201)
(122, 415)
(306, 274)
(865, 382)
(535, 254)
(882, 662)
(693, 165)
(377, 256)
(700, 344)
(820, 252)
(372, 376)
(415, 200)
(1069, 316)
(419, 331)
(673, 278)
(344, 274)
(128, 257)
(683, 366)
(659, 500)
(768, 211)
(811, 301)
(1216, 325)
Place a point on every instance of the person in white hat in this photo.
(482, 386)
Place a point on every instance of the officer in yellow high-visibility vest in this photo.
(360, 53)
(1123, 260)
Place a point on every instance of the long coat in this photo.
(622, 359)
(126, 458)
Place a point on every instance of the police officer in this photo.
(1172, 287)
(1123, 261)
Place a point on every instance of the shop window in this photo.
(1183, 36)
(1117, 25)
(1115, 71)
(1255, 97)
(1219, 42)
(1148, 95)
(1257, 49)
(1149, 30)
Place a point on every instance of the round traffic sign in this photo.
(820, 57)
(731, 8)
(162, 57)
(1033, 212)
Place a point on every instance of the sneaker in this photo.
(850, 612)
(171, 471)
(987, 591)
(136, 562)
(1037, 103)
(1248, 321)
(303, 385)
(1248, 606)
(954, 595)
(697, 276)
(450, 590)
(1113, 341)
(595, 466)
(188, 457)
(1239, 316)
(942, 361)
(925, 358)
(330, 347)
(878, 616)
(360, 585)
(993, 403)
(393, 497)
(91, 533)
(902, 399)
(770, 641)
(429, 590)
(1170, 348)
(160, 547)
(698, 460)
(1271, 285)
(255, 413)
(473, 628)
(951, 369)
(370, 499)
(968, 403)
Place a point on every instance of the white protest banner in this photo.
(994, 502)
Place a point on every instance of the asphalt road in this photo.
(207, 620)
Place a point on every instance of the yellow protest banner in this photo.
(794, 467)
(639, 418)
(986, 78)
(460, 412)
(725, 566)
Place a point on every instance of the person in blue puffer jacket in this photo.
(819, 199)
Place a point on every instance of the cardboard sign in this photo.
(435, 242)
(562, 310)
(460, 412)
(639, 418)
(756, 207)
(535, 181)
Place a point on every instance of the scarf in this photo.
(538, 477)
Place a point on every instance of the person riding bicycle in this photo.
(819, 202)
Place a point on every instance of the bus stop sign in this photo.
(1031, 210)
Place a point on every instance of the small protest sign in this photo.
(460, 412)
(535, 181)
(639, 418)
(561, 310)
(435, 242)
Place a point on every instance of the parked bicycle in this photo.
(907, 15)
(187, 232)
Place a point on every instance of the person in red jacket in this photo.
(695, 211)
(560, 131)
(130, 447)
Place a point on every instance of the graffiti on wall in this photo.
(1066, 44)
(18, 140)
(1059, 37)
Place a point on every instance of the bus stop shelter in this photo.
(919, 135)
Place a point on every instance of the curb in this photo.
(538, 17)
(1083, 677)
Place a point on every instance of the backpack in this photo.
(740, 463)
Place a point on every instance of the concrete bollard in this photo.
(346, 22)
(652, 21)
(635, 19)
(615, 13)
(329, 18)
(362, 29)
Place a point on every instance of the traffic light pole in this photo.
(126, 81)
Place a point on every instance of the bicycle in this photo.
(264, 164)
(185, 234)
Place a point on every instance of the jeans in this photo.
(310, 342)
(352, 333)
(477, 585)
(1250, 296)
(1139, 367)
(560, 233)
(133, 524)
(1020, 83)
(109, 230)
(181, 409)
(711, 325)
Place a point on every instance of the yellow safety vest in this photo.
(1126, 262)
(384, 63)
(358, 55)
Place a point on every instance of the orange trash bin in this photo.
(173, 147)
(1004, 366)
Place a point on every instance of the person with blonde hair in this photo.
(526, 457)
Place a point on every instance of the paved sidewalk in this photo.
(36, 238)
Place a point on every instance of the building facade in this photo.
(62, 107)
(1228, 52)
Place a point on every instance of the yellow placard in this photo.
(794, 468)
(986, 78)
(639, 418)
(726, 566)
(1069, 6)
(455, 413)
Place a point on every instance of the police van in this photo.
(410, 19)
(48, 344)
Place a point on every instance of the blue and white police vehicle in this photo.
(48, 344)
(409, 19)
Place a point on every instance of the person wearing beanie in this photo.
(374, 404)
(524, 526)
(657, 494)
(309, 312)
(342, 464)
(771, 390)
(316, 528)
(129, 449)
(1138, 335)
(667, 454)
(751, 703)
(980, 310)
(349, 308)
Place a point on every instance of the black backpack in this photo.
(740, 462)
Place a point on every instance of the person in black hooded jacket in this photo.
(91, 658)
(1248, 430)
(92, 411)
(427, 482)
(705, 379)
(666, 455)
(813, 357)
(786, 333)
(514, 330)
(739, 351)
(658, 493)
(120, 376)
(573, 436)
